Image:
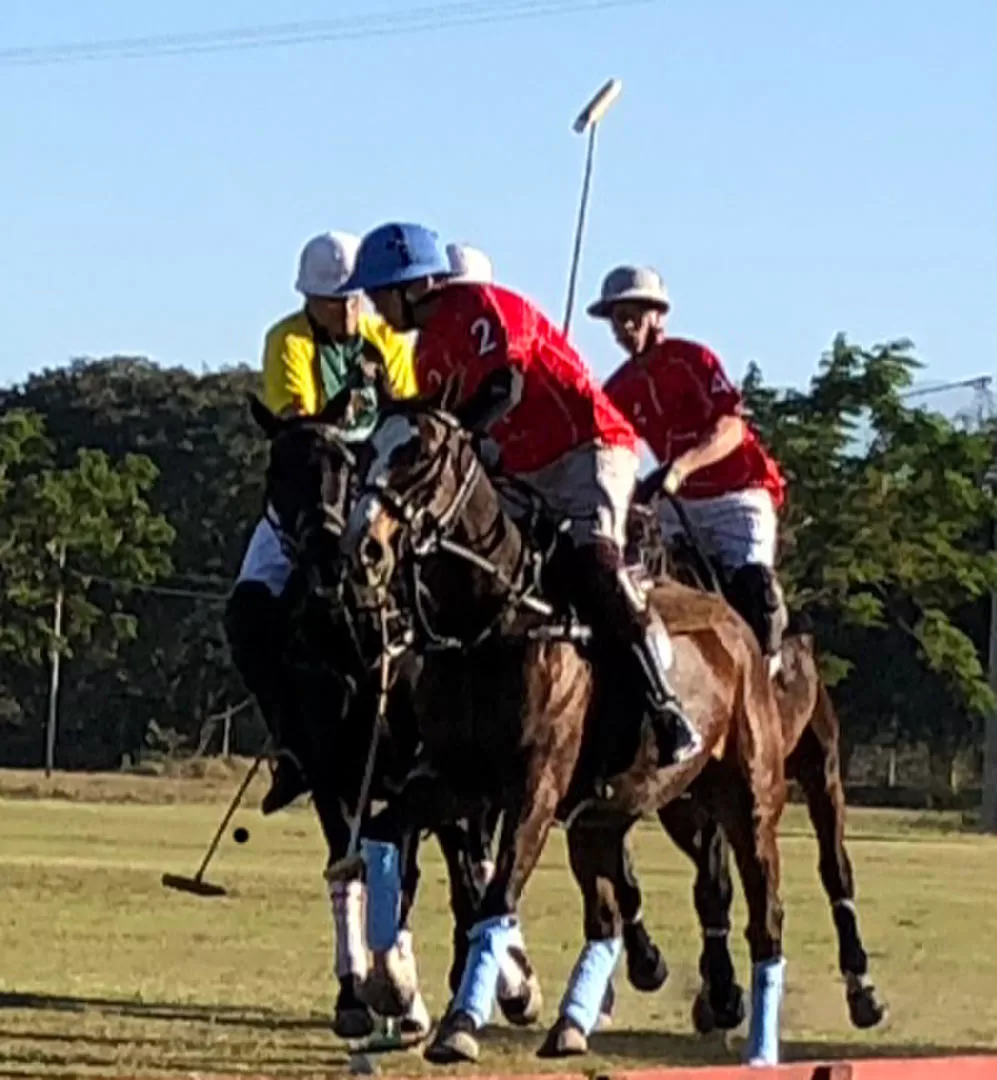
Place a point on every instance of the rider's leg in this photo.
(255, 626)
(739, 531)
(609, 602)
(756, 595)
(745, 540)
(592, 488)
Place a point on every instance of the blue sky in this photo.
(792, 168)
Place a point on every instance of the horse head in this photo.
(425, 503)
(309, 482)
(416, 463)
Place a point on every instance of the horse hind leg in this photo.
(646, 967)
(594, 852)
(750, 820)
(720, 1002)
(814, 762)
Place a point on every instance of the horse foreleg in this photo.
(351, 1017)
(519, 995)
(720, 1001)
(497, 929)
(596, 852)
(814, 762)
(392, 988)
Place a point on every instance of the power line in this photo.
(354, 27)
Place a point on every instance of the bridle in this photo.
(426, 534)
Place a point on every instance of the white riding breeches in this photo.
(735, 529)
(591, 487)
(265, 559)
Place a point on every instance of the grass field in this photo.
(102, 972)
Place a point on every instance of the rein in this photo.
(434, 537)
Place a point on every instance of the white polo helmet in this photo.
(326, 264)
(469, 265)
(637, 284)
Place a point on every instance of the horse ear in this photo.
(269, 422)
(335, 409)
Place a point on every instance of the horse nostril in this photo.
(371, 551)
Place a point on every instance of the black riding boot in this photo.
(254, 626)
(755, 594)
(608, 601)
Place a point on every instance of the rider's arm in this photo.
(722, 439)
(724, 430)
(288, 372)
(396, 353)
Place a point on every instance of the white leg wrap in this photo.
(347, 898)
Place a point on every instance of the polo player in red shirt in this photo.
(681, 402)
(518, 380)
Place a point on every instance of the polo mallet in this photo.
(196, 884)
(649, 492)
(351, 865)
(587, 120)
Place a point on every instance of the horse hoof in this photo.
(455, 1041)
(524, 1009)
(647, 972)
(646, 967)
(351, 1018)
(416, 1024)
(391, 987)
(565, 1039)
(703, 1020)
(713, 1010)
(865, 1009)
(353, 1023)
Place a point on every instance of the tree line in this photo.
(128, 491)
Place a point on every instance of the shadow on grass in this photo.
(661, 1047)
(235, 1015)
(500, 1045)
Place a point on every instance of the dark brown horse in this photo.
(328, 641)
(509, 708)
(811, 738)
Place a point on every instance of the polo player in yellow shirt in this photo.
(308, 358)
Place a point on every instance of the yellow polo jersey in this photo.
(291, 375)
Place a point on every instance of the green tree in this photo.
(885, 539)
(84, 531)
(198, 432)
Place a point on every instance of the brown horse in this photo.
(308, 485)
(811, 738)
(509, 708)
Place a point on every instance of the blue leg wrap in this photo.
(490, 941)
(384, 893)
(767, 979)
(588, 983)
